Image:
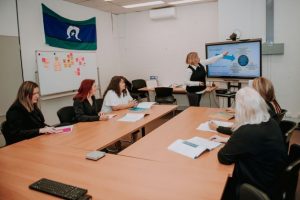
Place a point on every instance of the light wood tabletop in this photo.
(100, 134)
(112, 177)
(183, 126)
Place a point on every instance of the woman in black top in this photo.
(85, 105)
(256, 145)
(24, 120)
(266, 90)
(196, 74)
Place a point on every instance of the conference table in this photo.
(208, 98)
(183, 126)
(100, 134)
(112, 177)
(145, 170)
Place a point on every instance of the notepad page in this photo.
(205, 127)
(191, 151)
(145, 105)
(204, 142)
(132, 117)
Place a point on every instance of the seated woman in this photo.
(116, 96)
(24, 120)
(84, 104)
(256, 145)
(266, 90)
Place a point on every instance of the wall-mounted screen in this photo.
(243, 60)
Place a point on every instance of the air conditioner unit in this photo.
(162, 13)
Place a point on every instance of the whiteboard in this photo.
(63, 71)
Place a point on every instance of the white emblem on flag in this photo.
(73, 31)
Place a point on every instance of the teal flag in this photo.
(69, 34)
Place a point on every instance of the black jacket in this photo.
(199, 74)
(84, 111)
(21, 124)
(259, 154)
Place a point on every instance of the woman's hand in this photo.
(213, 126)
(132, 103)
(48, 130)
(217, 138)
(102, 116)
(225, 53)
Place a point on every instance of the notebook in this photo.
(193, 147)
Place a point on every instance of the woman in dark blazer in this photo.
(256, 146)
(85, 105)
(24, 120)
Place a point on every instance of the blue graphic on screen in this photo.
(242, 61)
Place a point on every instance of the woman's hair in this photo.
(115, 86)
(265, 88)
(25, 94)
(250, 108)
(84, 89)
(192, 58)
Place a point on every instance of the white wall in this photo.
(32, 38)
(8, 18)
(159, 47)
(249, 18)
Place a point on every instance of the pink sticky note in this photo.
(43, 59)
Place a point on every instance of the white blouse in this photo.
(112, 99)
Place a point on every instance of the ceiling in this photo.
(115, 6)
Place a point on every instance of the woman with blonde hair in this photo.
(24, 120)
(256, 145)
(266, 89)
(195, 78)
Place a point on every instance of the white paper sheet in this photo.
(132, 117)
(205, 127)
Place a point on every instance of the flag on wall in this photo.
(69, 34)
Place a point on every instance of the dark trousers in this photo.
(194, 99)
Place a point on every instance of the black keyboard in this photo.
(58, 189)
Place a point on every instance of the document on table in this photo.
(145, 105)
(205, 127)
(193, 147)
(132, 117)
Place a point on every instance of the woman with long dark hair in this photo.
(24, 120)
(116, 96)
(85, 105)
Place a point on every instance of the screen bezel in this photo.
(235, 42)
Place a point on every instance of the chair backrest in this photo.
(294, 153)
(99, 103)
(287, 127)
(66, 115)
(282, 114)
(290, 180)
(137, 84)
(249, 192)
(163, 91)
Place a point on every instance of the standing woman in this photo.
(256, 145)
(24, 120)
(195, 78)
(116, 96)
(85, 105)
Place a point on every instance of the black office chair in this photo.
(282, 114)
(136, 85)
(291, 173)
(249, 192)
(66, 116)
(287, 127)
(164, 95)
(99, 103)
